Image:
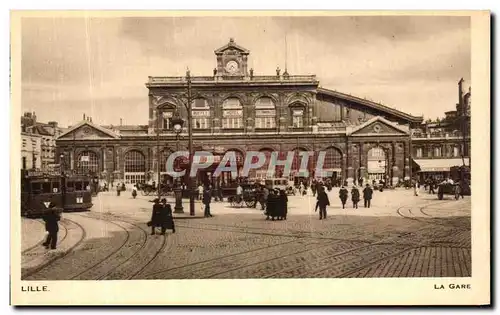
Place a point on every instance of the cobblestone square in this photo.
(401, 235)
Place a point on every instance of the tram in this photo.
(68, 193)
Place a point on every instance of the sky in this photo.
(99, 66)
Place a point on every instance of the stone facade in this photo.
(235, 110)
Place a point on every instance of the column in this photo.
(396, 171)
(407, 161)
(350, 169)
(362, 161)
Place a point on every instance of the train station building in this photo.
(235, 110)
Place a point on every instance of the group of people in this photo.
(355, 196)
(276, 204)
(161, 217)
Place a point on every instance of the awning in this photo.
(439, 165)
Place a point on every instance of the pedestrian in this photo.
(313, 188)
(118, 190)
(431, 186)
(283, 204)
(134, 191)
(263, 197)
(200, 192)
(51, 226)
(239, 193)
(322, 203)
(207, 198)
(415, 188)
(301, 188)
(167, 217)
(367, 195)
(355, 196)
(156, 216)
(271, 204)
(343, 195)
(458, 190)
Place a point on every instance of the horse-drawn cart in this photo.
(248, 198)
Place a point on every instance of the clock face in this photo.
(232, 66)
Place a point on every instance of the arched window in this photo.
(232, 114)
(333, 159)
(201, 114)
(377, 163)
(88, 162)
(135, 167)
(265, 113)
(135, 162)
(297, 112)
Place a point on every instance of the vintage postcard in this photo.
(250, 158)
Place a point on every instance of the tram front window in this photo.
(70, 186)
(46, 189)
(36, 188)
(79, 186)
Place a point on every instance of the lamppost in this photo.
(177, 123)
(188, 104)
(62, 185)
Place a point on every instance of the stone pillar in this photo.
(407, 164)
(362, 161)
(397, 160)
(102, 166)
(350, 170)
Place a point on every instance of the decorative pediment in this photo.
(231, 48)
(378, 126)
(87, 130)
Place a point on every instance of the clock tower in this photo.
(232, 60)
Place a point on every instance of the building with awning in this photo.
(438, 168)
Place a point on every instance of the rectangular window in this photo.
(419, 152)
(456, 152)
(36, 188)
(201, 123)
(265, 122)
(232, 123)
(24, 162)
(46, 188)
(298, 121)
(79, 186)
(437, 151)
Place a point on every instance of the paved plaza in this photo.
(401, 235)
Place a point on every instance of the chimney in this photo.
(84, 117)
(90, 119)
(120, 121)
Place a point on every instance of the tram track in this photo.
(32, 271)
(93, 266)
(121, 266)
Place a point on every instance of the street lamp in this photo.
(177, 123)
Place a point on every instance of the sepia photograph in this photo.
(160, 147)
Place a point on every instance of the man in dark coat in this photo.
(355, 197)
(207, 198)
(283, 204)
(157, 216)
(322, 202)
(343, 196)
(52, 227)
(167, 217)
(367, 195)
(431, 186)
(271, 205)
